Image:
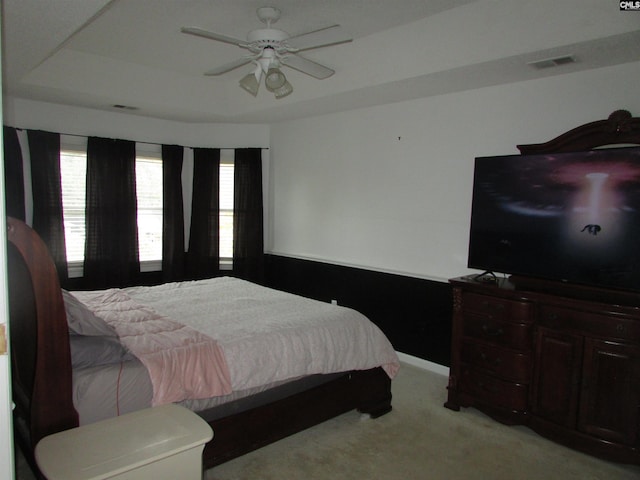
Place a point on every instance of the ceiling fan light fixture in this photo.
(250, 83)
(284, 90)
(270, 48)
(274, 79)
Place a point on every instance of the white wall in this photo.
(386, 188)
(389, 188)
(81, 121)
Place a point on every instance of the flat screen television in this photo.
(572, 217)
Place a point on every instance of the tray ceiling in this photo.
(130, 53)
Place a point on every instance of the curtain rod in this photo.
(136, 141)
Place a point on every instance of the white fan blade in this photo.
(199, 32)
(227, 67)
(332, 35)
(307, 66)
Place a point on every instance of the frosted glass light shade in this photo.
(250, 83)
(284, 90)
(274, 79)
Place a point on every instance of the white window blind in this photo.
(226, 205)
(149, 196)
(73, 169)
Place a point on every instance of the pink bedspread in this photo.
(182, 362)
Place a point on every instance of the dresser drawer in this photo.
(498, 308)
(507, 364)
(493, 391)
(610, 326)
(517, 336)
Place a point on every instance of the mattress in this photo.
(268, 339)
(108, 391)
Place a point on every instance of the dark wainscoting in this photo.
(414, 313)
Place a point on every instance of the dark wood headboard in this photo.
(39, 336)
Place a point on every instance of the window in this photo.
(73, 167)
(73, 170)
(226, 207)
(149, 193)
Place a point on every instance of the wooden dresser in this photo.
(561, 359)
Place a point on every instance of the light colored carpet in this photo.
(419, 439)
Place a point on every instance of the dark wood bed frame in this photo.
(41, 370)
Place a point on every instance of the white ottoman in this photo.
(158, 443)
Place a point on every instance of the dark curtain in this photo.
(13, 174)
(248, 239)
(111, 248)
(203, 256)
(44, 151)
(172, 214)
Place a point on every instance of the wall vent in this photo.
(552, 62)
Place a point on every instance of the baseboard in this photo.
(424, 364)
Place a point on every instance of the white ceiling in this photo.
(99, 53)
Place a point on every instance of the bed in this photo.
(79, 357)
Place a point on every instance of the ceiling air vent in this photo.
(552, 62)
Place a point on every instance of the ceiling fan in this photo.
(271, 48)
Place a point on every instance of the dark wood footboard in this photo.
(368, 391)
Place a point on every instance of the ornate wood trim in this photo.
(619, 128)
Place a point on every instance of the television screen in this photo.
(573, 217)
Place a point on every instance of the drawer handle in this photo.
(492, 332)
